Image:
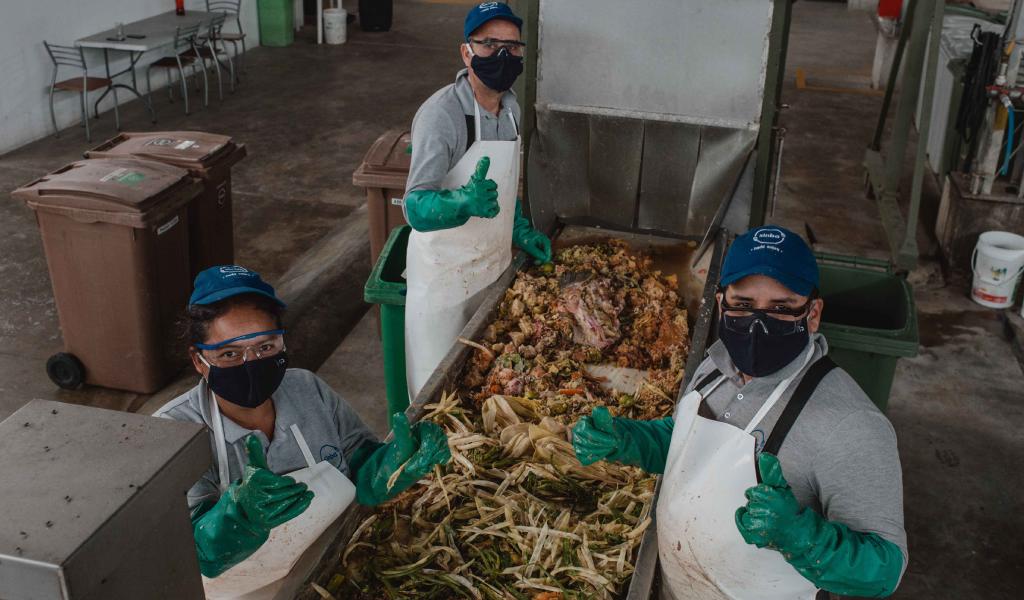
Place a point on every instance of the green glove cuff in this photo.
(223, 536)
(418, 448)
(533, 242)
(520, 225)
(361, 455)
(644, 444)
(433, 210)
(840, 560)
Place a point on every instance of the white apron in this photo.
(446, 270)
(703, 556)
(332, 493)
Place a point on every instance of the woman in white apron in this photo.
(464, 222)
(730, 527)
(287, 448)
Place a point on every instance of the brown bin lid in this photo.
(126, 191)
(386, 164)
(186, 149)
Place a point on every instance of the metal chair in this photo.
(184, 45)
(70, 56)
(231, 8)
(207, 47)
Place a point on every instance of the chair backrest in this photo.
(230, 7)
(185, 37)
(70, 56)
(216, 24)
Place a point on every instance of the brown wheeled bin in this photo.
(383, 173)
(116, 240)
(209, 157)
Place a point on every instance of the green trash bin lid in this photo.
(386, 284)
(867, 307)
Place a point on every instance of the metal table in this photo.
(142, 36)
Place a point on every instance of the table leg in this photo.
(106, 64)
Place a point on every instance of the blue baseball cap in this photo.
(482, 13)
(775, 252)
(217, 283)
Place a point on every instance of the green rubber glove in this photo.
(432, 210)
(533, 242)
(642, 444)
(415, 450)
(240, 522)
(830, 555)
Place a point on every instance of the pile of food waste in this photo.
(514, 515)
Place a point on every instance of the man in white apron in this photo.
(271, 426)
(461, 191)
(781, 479)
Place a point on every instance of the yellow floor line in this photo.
(801, 84)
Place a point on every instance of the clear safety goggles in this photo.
(513, 47)
(773, 321)
(234, 352)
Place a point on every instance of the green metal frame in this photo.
(885, 168)
(778, 45)
(526, 86)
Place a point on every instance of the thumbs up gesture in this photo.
(268, 499)
(480, 195)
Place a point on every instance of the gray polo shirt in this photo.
(439, 131)
(331, 429)
(840, 457)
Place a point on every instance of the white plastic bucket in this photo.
(335, 25)
(997, 263)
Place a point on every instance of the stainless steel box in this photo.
(93, 504)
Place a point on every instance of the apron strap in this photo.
(804, 390)
(471, 128)
(707, 379)
(303, 446)
(470, 131)
(219, 444)
(703, 410)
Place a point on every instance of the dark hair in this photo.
(195, 323)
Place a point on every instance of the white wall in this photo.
(26, 69)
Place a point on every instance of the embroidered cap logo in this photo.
(771, 237)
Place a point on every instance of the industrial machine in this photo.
(94, 504)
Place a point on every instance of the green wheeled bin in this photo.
(277, 19)
(387, 288)
(869, 320)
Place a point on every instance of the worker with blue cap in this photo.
(781, 479)
(268, 421)
(461, 191)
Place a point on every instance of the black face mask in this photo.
(763, 349)
(498, 71)
(251, 383)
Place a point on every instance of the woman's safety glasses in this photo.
(773, 321)
(234, 352)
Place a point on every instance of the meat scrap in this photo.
(600, 303)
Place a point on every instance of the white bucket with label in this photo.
(335, 25)
(997, 263)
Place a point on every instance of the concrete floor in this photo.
(956, 406)
(308, 114)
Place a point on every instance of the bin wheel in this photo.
(65, 370)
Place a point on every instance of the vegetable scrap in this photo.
(514, 515)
